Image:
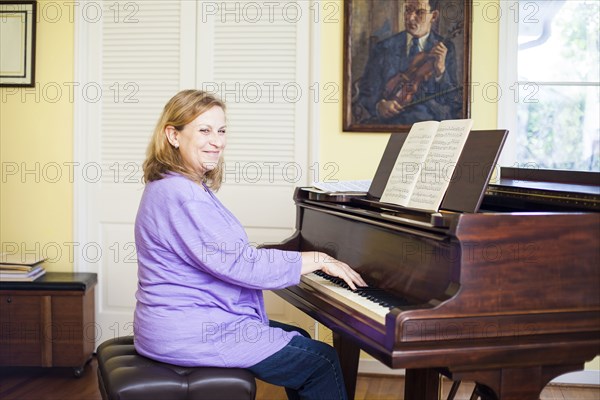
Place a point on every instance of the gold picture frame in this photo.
(17, 43)
(378, 65)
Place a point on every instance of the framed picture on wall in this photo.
(405, 61)
(17, 43)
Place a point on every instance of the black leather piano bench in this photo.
(123, 374)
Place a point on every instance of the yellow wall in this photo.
(36, 140)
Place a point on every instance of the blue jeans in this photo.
(307, 368)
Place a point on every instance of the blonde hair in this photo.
(161, 157)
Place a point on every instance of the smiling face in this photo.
(200, 142)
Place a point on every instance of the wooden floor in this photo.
(59, 384)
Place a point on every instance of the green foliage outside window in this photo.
(559, 97)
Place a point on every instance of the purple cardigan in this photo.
(199, 297)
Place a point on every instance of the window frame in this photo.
(508, 49)
(508, 79)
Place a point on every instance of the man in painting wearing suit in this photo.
(388, 90)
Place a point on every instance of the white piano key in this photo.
(363, 305)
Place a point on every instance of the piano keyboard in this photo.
(374, 303)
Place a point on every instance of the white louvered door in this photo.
(131, 56)
(133, 59)
(257, 55)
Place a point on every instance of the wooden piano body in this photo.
(507, 297)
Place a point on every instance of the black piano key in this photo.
(376, 295)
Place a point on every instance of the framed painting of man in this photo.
(405, 61)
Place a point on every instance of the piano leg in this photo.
(348, 353)
(422, 384)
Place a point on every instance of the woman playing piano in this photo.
(200, 281)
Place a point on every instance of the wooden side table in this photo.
(49, 322)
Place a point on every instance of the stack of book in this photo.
(20, 267)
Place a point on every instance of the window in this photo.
(556, 93)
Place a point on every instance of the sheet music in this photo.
(425, 164)
(408, 165)
(440, 163)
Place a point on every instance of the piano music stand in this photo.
(471, 175)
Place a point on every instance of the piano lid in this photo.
(552, 180)
(543, 190)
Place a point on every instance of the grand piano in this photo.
(506, 296)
